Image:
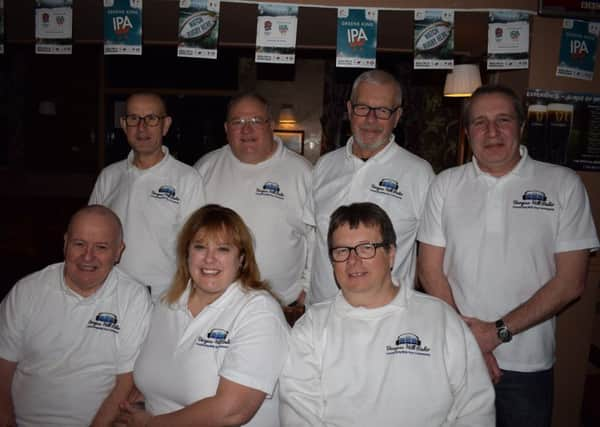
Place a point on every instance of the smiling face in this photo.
(214, 264)
(144, 140)
(370, 133)
(250, 143)
(92, 246)
(364, 282)
(494, 133)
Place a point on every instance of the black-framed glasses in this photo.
(382, 113)
(363, 250)
(251, 121)
(151, 120)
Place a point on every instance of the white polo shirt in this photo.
(152, 204)
(270, 197)
(412, 362)
(500, 236)
(242, 336)
(394, 179)
(68, 348)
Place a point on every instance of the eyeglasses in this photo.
(251, 121)
(364, 251)
(501, 122)
(151, 120)
(382, 113)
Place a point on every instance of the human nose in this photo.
(353, 256)
(372, 116)
(88, 253)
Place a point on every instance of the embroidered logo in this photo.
(387, 186)
(166, 192)
(408, 343)
(216, 338)
(105, 322)
(270, 189)
(534, 199)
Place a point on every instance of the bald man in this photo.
(151, 192)
(70, 333)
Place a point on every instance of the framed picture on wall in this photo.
(589, 9)
(292, 139)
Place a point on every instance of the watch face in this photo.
(504, 334)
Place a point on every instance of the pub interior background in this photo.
(58, 123)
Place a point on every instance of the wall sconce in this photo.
(287, 116)
(461, 83)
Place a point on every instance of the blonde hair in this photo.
(215, 220)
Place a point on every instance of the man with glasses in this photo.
(505, 241)
(380, 353)
(267, 184)
(371, 167)
(151, 192)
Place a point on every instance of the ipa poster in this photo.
(356, 38)
(198, 28)
(434, 39)
(1, 26)
(54, 27)
(122, 27)
(276, 27)
(508, 40)
(578, 44)
(564, 128)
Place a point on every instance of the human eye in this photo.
(361, 109)
(197, 246)
(504, 120)
(383, 112)
(132, 119)
(102, 246)
(479, 123)
(236, 123)
(339, 252)
(152, 119)
(258, 121)
(224, 249)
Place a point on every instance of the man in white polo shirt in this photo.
(371, 167)
(152, 193)
(70, 333)
(379, 353)
(267, 185)
(505, 241)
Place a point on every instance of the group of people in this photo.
(503, 246)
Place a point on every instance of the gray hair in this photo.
(101, 211)
(253, 96)
(378, 77)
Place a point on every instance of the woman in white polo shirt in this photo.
(217, 340)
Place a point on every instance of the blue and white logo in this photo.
(106, 322)
(408, 343)
(215, 338)
(166, 192)
(534, 199)
(270, 189)
(387, 186)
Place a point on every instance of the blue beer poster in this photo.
(578, 49)
(122, 27)
(356, 38)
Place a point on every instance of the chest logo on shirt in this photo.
(387, 186)
(166, 192)
(105, 322)
(408, 343)
(216, 338)
(270, 189)
(534, 199)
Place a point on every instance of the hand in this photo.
(132, 416)
(493, 368)
(485, 333)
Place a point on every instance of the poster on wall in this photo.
(578, 44)
(122, 27)
(434, 39)
(356, 38)
(564, 128)
(508, 40)
(54, 27)
(276, 27)
(1, 26)
(198, 28)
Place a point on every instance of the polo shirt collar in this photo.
(278, 153)
(380, 156)
(523, 169)
(222, 301)
(163, 161)
(105, 289)
(345, 309)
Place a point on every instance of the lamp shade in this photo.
(287, 115)
(462, 81)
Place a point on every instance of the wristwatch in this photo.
(504, 334)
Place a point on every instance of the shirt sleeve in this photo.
(301, 403)
(259, 346)
(430, 227)
(472, 388)
(576, 228)
(96, 196)
(134, 328)
(14, 312)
